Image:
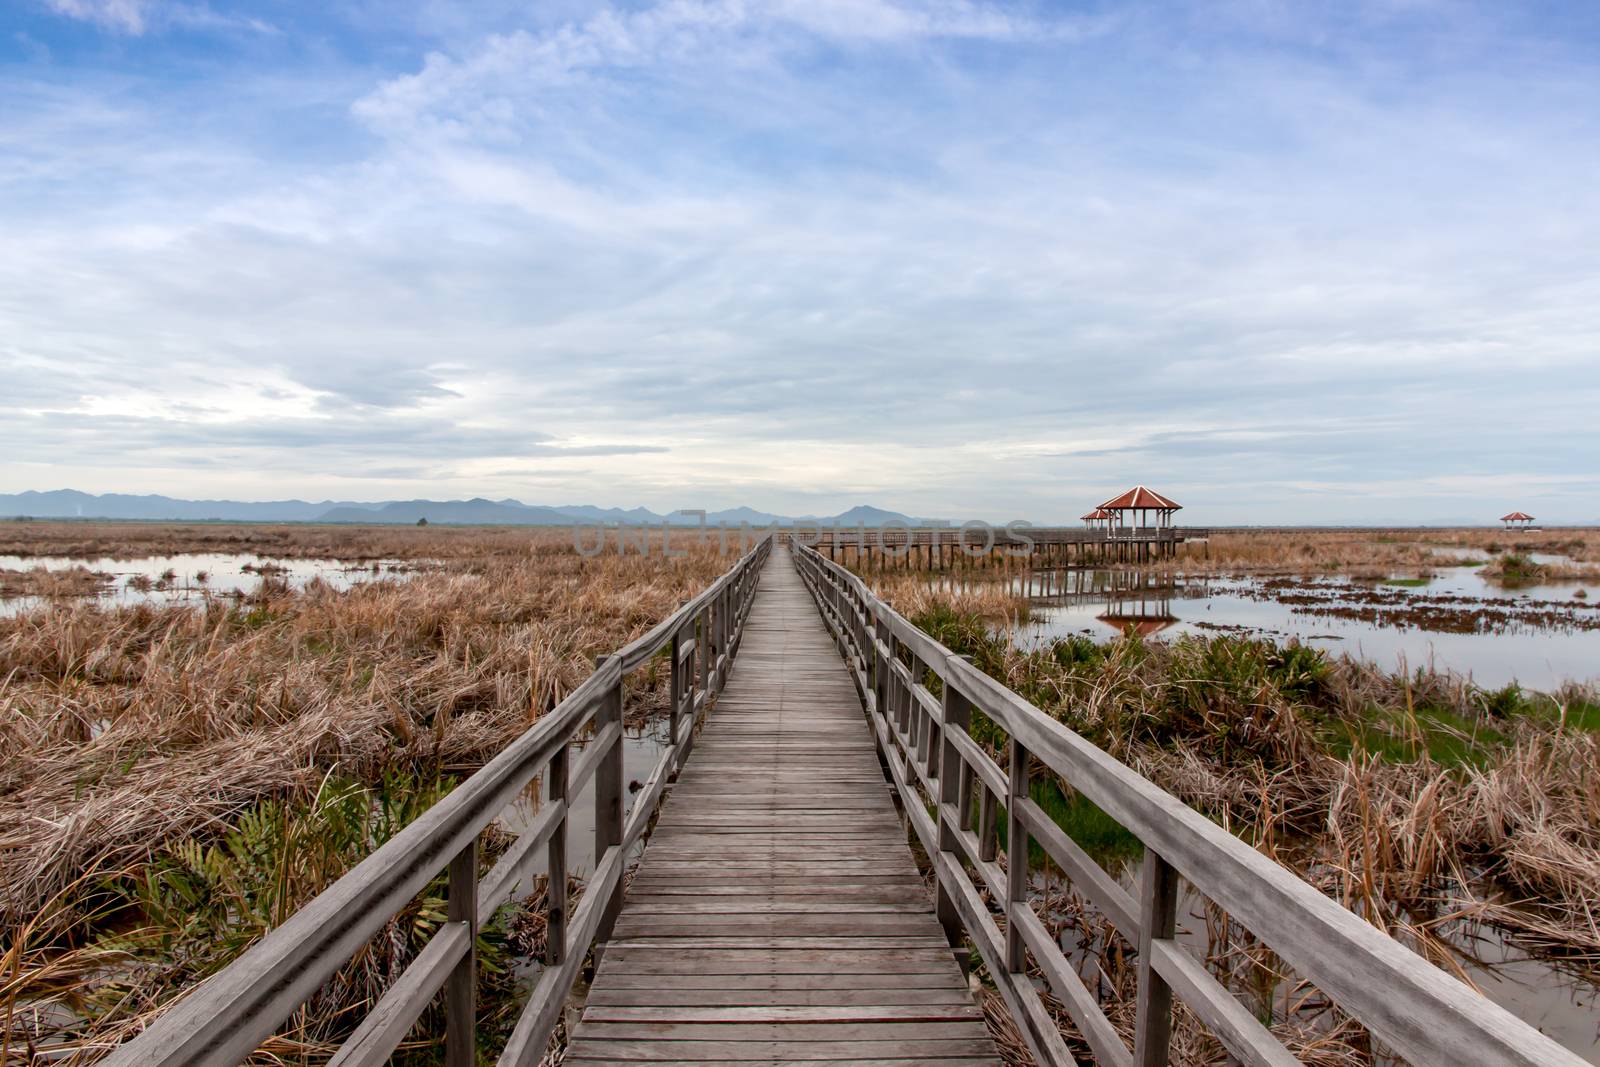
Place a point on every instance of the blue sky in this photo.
(1285, 262)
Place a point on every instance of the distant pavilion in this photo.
(1517, 520)
(1098, 519)
(1139, 512)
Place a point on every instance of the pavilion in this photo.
(1517, 520)
(1098, 519)
(1131, 514)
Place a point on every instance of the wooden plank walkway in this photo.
(777, 916)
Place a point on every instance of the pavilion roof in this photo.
(1516, 516)
(1097, 513)
(1141, 499)
(1144, 627)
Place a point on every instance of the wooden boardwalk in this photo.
(777, 916)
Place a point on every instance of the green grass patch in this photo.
(1408, 583)
(1107, 841)
(1445, 737)
(1520, 567)
(1580, 715)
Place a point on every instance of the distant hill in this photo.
(867, 515)
(72, 504)
(476, 511)
(590, 513)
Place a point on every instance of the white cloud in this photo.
(137, 17)
(126, 16)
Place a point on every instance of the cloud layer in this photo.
(1334, 264)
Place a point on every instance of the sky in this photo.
(1285, 262)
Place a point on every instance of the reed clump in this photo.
(59, 582)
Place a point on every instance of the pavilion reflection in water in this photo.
(1129, 598)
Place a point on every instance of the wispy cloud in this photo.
(137, 17)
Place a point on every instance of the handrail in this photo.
(1424, 1014)
(228, 1015)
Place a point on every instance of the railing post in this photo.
(1016, 857)
(725, 606)
(703, 651)
(460, 991)
(925, 741)
(956, 714)
(608, 792)
(675, 704)
(1158, 913)
(555, 939)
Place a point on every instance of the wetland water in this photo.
(192, 576)
(1537, 635)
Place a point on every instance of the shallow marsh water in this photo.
(1537, 635)
(194, 576)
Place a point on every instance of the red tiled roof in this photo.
(1139, 497)
(1516, 516)
(1097, 513)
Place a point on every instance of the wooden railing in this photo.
(1423, 1014)
(229, 1015)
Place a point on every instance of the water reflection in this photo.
(1121, 599)
(1538, 635)
(195, 576)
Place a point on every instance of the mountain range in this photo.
(72, 504)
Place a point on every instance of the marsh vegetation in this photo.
(1463, 818)
(180, 776)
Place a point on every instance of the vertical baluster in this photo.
(903, 698)
(461, 1023)
(675, 702)
(555, 942)
(724, 628)
(1158, 911)
(955, 713)
(703, 651)
(608, 806)
(880, 673)
(914, 710)
(930, 726)
(1016, 857)
(988, 839)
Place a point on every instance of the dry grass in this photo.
(134, 540)
(1375, 553)
(128, 730)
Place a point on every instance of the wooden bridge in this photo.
(944, 547)
(777, 916)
